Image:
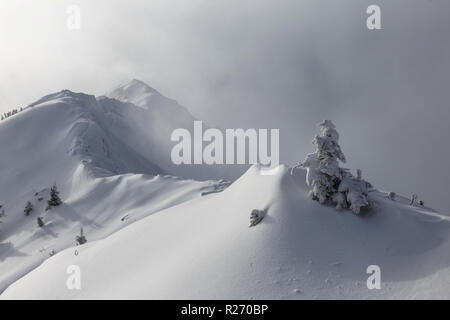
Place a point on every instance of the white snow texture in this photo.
(153, 231)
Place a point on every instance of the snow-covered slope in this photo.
(204, 248)
(153, 235)
(65, 138)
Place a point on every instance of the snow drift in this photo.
(204, 249)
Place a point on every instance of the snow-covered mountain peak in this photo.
(136, 92)
(136, 83)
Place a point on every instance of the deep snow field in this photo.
(152, 235)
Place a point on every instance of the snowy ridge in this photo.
(64, 138)
(301, 250)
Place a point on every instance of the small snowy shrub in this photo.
(329, 183)
(256, 217)
(40, 222)
(28, 208)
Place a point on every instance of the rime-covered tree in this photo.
(323, 174)
(81, 239)
(355, 192)
(329, 183)
(28, 208)
(55, 200)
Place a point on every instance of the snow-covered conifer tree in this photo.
(55, 200)
(329, 183)
(323, 174)
(81, 239)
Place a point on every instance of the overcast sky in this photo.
(263, 64)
